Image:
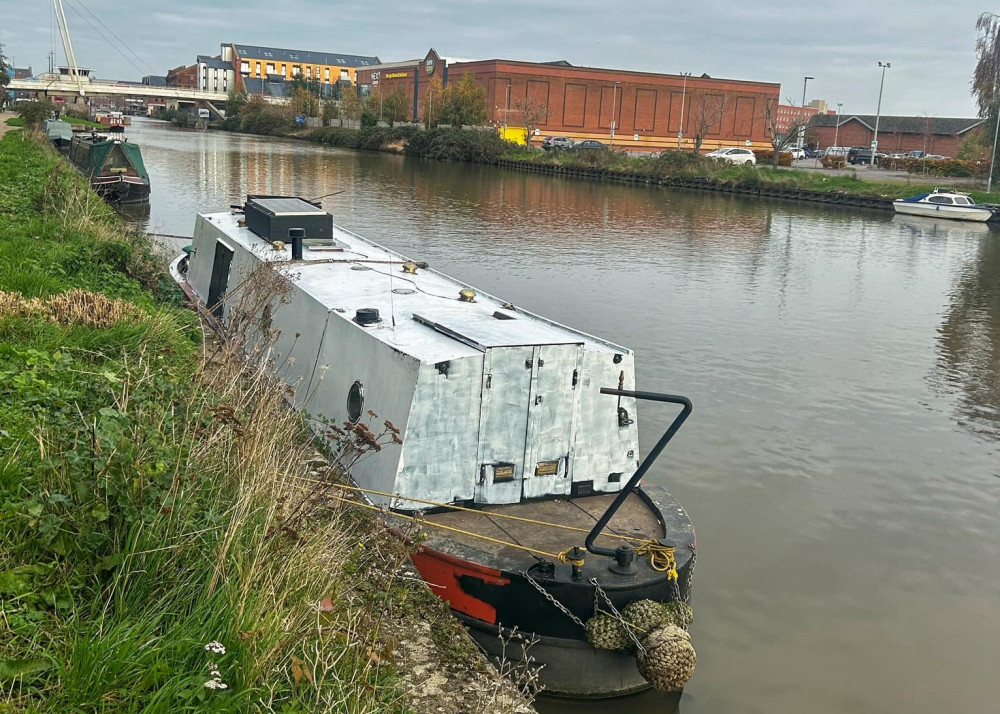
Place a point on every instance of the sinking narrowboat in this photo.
(519, 451)
(112, 164)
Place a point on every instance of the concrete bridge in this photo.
(106, 88)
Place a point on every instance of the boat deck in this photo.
(634, 519)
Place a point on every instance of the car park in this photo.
(557, 142)
(589, 144)
(734, 156)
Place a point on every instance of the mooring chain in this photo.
(690, 575)
(548, 596)
(598, 591)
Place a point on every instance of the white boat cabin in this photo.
(494, 404)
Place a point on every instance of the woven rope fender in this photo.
(670, 659)
(606, 633)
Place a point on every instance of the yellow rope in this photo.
(661, 558)
(453, 507)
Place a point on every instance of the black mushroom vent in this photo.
(367, 316)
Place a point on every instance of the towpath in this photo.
(4, 116)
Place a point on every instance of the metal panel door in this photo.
(503, 422)
(551, 410)
(220, 278)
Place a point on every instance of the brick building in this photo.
(183, 77)
(789, 114)
(932, 135)
(635, 110)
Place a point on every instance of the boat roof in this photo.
(420, 314)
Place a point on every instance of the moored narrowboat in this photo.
(113, 165)
(518, 453)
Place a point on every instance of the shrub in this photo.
(35, 113)
(834, 161)
(765, 156)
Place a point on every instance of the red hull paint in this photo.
(442, 572)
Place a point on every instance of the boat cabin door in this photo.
(526, 421)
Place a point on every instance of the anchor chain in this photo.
(690, 574)
(599, 591)
(548, 596)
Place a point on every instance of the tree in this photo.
(331, 111)
(4, 77)
(304, 103)
(350, 105)
(434, 103)
(532, 114)
(236, 100)
(986, 76)
(395, 107)
(35, 113)
(778, 140)
(464, 103)
(707, 111)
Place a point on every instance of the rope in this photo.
(661, 558)
(644, 542)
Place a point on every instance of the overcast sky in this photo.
(931, 45)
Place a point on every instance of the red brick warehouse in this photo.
(582, 102)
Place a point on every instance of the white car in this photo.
(797, 153)
(734, 156)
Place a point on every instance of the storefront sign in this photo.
(396, 75)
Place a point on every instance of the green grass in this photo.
(78, 121)
(15, 121)
(145, 491)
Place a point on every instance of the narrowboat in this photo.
(113, 166)
(519, 447)
(60, 133)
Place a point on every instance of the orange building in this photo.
(639, 111)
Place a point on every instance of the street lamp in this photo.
(836, 132)
(802, 129)
(680, 127)
(614, 96)
(878, 111)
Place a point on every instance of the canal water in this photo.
(842, 464)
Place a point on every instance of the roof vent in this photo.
(367, 316)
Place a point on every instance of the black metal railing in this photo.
(646, 463)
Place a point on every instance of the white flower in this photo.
(216, 647)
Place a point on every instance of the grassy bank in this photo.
(485, 147)
(163, 545)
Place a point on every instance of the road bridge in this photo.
(106, 88)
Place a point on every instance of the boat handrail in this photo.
(644, 466)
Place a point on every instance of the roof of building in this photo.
(214, 62)
(901, 125)
(22, 73)
(305, 56)
(155, 80)
(276, 87)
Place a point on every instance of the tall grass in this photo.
(163, 546)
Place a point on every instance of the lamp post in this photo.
(802, 129)
(614, 96)
(836, 131)
(878, 110)
(680, 127)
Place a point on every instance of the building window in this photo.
(296, 70)
(258, 69)
(344, 74)
(284, 70)
(244, 68)
(270, 68)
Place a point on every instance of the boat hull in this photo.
(121, 189)
(490, 590)
(935, 210)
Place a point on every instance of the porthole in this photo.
(355, 401)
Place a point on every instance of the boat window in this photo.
(355, 400)
(961, 201)
(939, 199)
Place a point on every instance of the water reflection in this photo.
(969, 342)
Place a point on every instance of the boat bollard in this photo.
(295, 237)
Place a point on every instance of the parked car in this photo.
(835, 151)
(589, 144)
(916, 154)
(934, 156)
(557, 142)
(797, 153)
(734, 156)
(814, 153)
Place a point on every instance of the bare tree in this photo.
(707, 113)
(532, 113)
(778, 139)
(4, 78)
(986, 76)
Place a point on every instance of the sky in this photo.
(930, 45)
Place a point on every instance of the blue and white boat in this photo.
(942, 203)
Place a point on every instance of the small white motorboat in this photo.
(941, 203)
